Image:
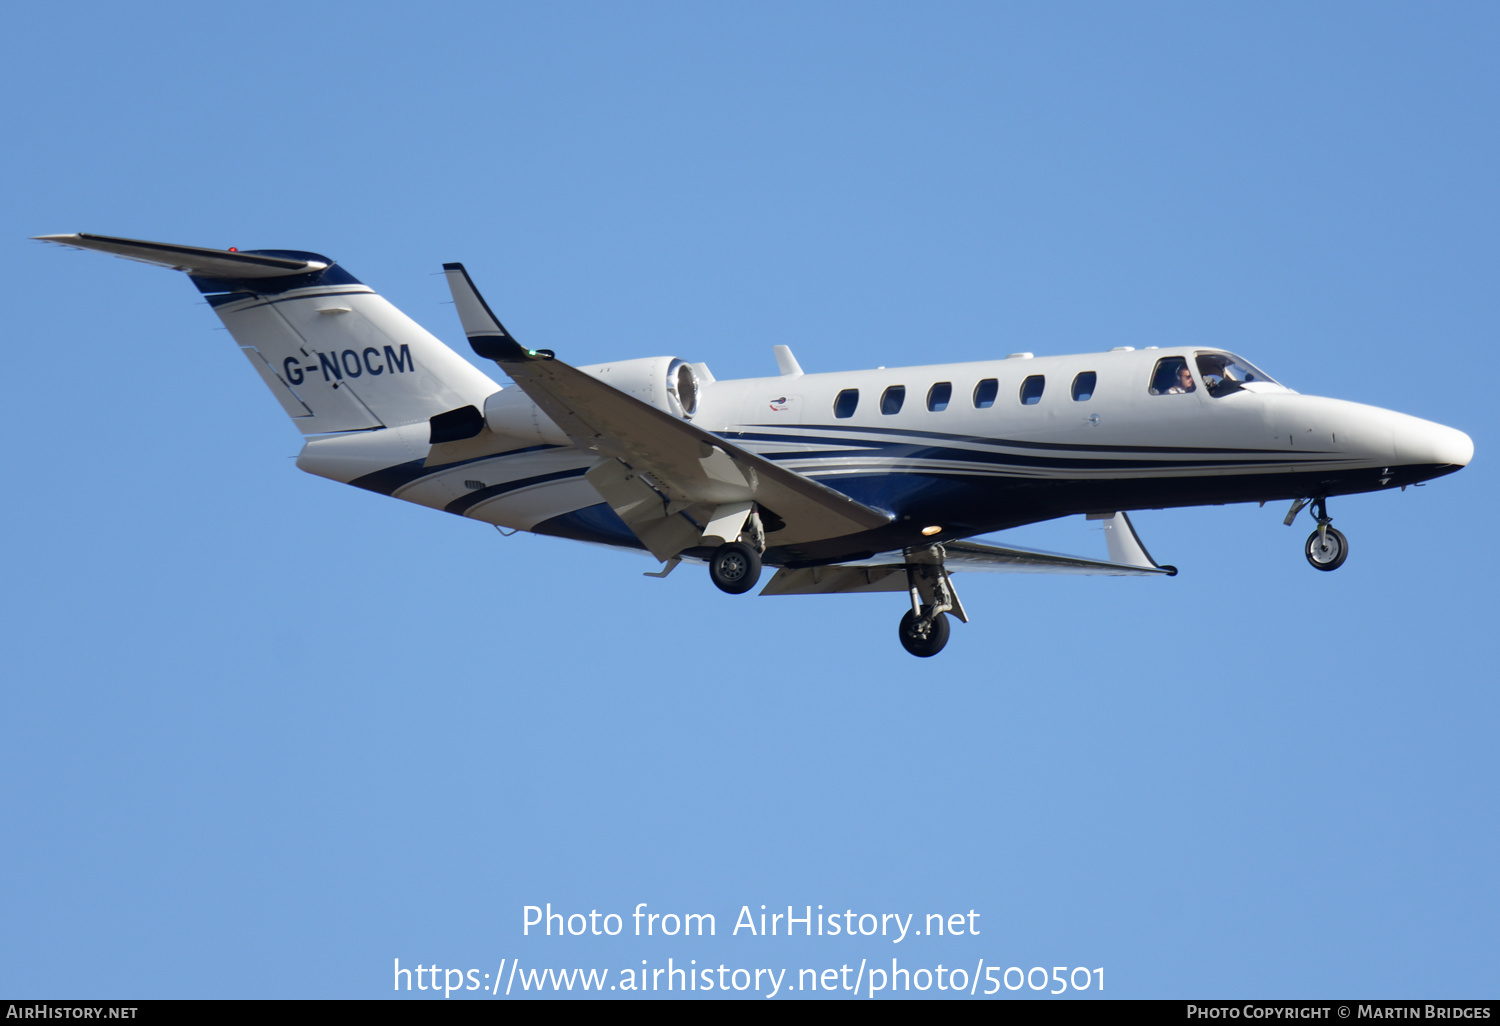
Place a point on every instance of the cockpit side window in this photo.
(1224, 373)
(1172, 377)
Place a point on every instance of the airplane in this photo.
(859, 481)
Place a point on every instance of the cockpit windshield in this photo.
(1224, 373)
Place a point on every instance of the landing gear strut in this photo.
(1326, 548)
(924, 627)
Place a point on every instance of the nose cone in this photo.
(1423, 443)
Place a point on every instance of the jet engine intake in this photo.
(665, 382)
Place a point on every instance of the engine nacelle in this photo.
(665, 382)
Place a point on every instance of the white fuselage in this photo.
(984, 460)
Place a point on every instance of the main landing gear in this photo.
(924, 627)
(1326, 548)
(735, 565)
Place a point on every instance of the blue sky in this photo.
(266, 734)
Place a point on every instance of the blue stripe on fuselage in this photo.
(1011, 443)
(401, 474)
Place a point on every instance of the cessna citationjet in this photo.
(855, 481)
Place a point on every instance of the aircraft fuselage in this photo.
(972, 448)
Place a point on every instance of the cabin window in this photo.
(1172, 377)
(1223, 373)
(1083, 386)
(847, 400)
(1031, 389)
(939, 395)
(985, 392)
(891, 399)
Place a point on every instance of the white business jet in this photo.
(855, 481)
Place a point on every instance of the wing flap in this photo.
(829, 580)
(664, 531)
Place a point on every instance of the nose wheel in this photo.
(1326, 548)
(924, 627)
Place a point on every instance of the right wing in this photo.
(654, 466)
(1128, 555)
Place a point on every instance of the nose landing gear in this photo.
(1326, 548)
(924, 627)
(924, 633)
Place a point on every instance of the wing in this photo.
(967, 555)
(654, 466)
(889, 573)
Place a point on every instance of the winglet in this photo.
(1125, 545)
(487, 335)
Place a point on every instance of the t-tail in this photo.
(337, 356)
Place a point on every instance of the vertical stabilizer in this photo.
(337, 356)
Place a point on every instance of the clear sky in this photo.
(265, 733)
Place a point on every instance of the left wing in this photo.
(685, 469)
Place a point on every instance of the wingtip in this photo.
(500, 348)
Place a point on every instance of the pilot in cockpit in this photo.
(1184, 382)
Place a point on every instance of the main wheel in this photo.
(734, 567)
(919, 642)
(1327, 552)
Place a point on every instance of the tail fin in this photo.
(337, 356)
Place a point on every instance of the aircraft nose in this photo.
(1423, 442)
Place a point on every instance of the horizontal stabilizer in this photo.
(195, 260)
